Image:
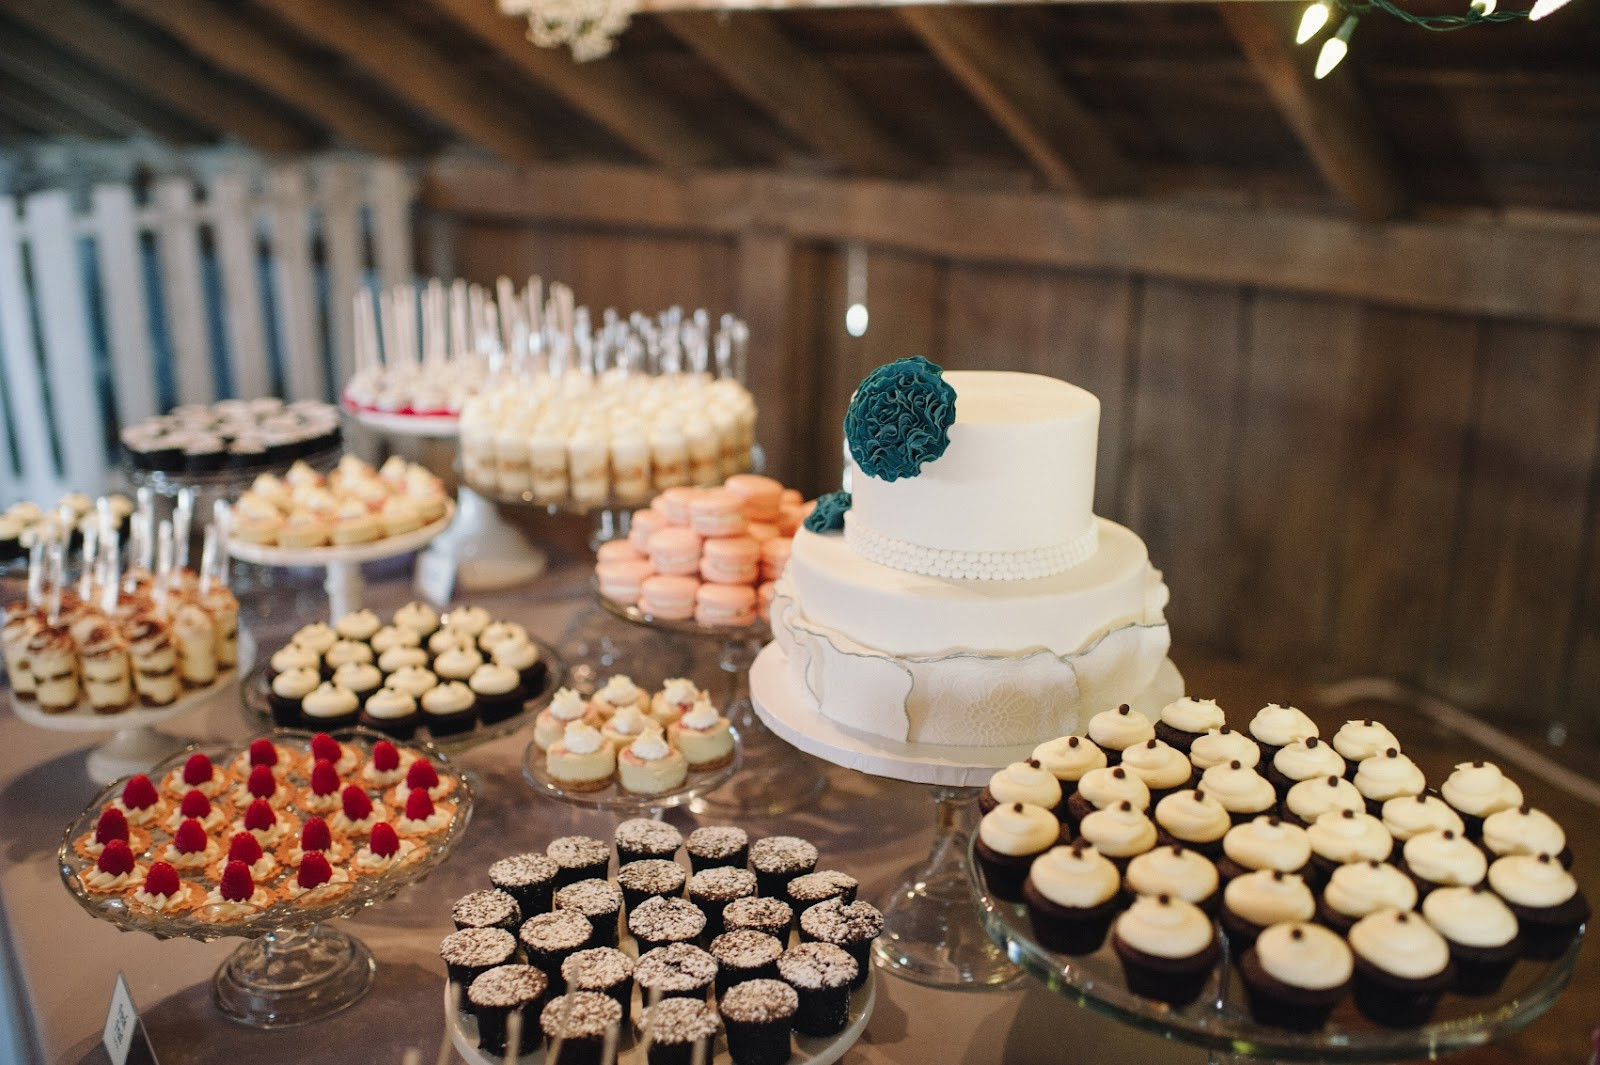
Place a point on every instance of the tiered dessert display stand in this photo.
(294, 968)
(774, 780)
(931, 933)
(255, 686)
(343, 564)
(135, 745)
(613, 798)
(1220, 1022)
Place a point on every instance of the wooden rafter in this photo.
(1010, 79)
(411, 67)
(41, 110)
(605, 90)
(160, 73)
(217, 32)
(795, 88)
(1329, 117)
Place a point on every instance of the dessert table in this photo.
(64, 964)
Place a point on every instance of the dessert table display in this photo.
(251, 842)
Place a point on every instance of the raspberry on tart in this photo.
(261, 784)
(323, 795)
(385, 850)
(316, 882)
(421, 775)
(270, 827)
(387, 766)
(113, 824)
(139, 802)
(423, 817)
(244, 847)
(195, 774)
(357, 812)
(197, 806)
(263, 751)
(165, 892)
(115, 872)
(345, 758)
(315, 835)
(191, 849)
(236, 896)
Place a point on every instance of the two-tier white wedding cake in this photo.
(970, 597)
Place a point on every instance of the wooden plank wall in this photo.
(1339, 486)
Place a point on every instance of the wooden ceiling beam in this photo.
(415, 70)
(216, 32)
(1329, 117)
(160, 73)
(41, 110)
(604, 90)
(797, 89)
(1010, 78)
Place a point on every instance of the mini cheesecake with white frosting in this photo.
(1114, 731)
(581, 759)
(624, 726)
(649, 765)
(566, 706)
(704, 736)
(675, 698)
(1186, 720)
(619, 690)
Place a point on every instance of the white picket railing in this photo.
(70, 273)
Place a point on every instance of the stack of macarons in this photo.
(710, 554)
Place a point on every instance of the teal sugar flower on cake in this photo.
(900, 418)
(828, 514)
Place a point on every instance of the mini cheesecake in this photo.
(581, 760)
(704, 736)
(649, 765)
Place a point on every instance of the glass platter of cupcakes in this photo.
(748, 954)
(629, 749)
(222, 445)
(458, 679)
(1271, 892)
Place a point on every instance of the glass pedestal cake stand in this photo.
(343, 564)
(294, 968)
(931, 932)
(1220, 1022)
(776, 779)
(613, 798)
(135, 745)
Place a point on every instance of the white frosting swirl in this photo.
(345, 652)
(1472, 917)
(1389, 775)
(1479, 789)
(491, 679)
(1119, 831)
(358, 625)
(1357, 741)
(1268, 897)
(1445, 858)
(450, 698)
(1304, 759)
(1165, 927)
(1350, 836)
(1121, 728)
(618, 690)
(1240, 789)
(296, 683)
(318, 636)
(1107, 787)
(1078, 878)
(581, 738)
(1173, 871)
(1523, 830)
(1068, 758)
(397, 658)
(1533, 881)
(389, 704)
(567, 705)
(294, 656)
(1193, 715)
(1221, 746)
(1192, 816)
(1400, 943)
(1277, 725)
(413, 680)
(1412, 815)
(701, 716)
(1024, 782)
(1358, 888)
(626, 722)
(358, 676)
(1310, 799)
(417, 616)
(391, 636)
(651, 744)
(329, 700)
(458, 663)
(518, 654)
(1017, 829)
(1304, 955)
(679, 691)
(1268, 843)
(1160, 766)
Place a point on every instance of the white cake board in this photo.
(426, 426)
(790, 713)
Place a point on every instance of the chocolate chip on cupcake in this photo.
(1114, 731)
(1072, 894)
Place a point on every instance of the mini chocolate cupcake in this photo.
(1068, 758)
(822, 976)
(660, 921)
(1356, 741)
(1176, 871)
(1546, 898)
(650, 878)
(852, 926)
(1277, 725)
(523, 656)
(287, 694)
(1072, 894)
(1413, 815)
(677, 970)
(1402, 966)
(1525, 830)
(712, 890)
(1310, 799)
(419, 617)
(758, 1016)
(776, 860)
(1009, 839)
(583, 1022)
(1305, 759)
(675, 1029)
(1339, 837)
(772, 916)
(1163, 768)
(1442, 859)
(603, 969)
(1359, 888)
(1242, 791)
(1195, 820)
(1477, 789)
(499, 692)
(1264, 843)
(820, 886)
(1385, 776)
(639, 838)
(486, 909)
(1295, 975)
(497, 995)
(744, 955)
(1482, 933)
(358, 625)
(449, 709)
(293, 656)
(578, 858)
(391, 712)
(598, 900)
(1265, 897)
(528, 878)
(345, 653)
(1167, 947)
(470, 952)
(714, 845)
(1021, 782)
(1186, 720)
(1102, 788)
(1224, 745)
(1119, 832)
(1114, 731)
(551, 938)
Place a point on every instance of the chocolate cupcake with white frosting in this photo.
(1262, 898)
(1163, 768)
(1477, 789)
(1185, 720)
(1525, 830)
(1303, 760)
(1195, 820)
(1119, 832)
(415, 681)
(392, 712)
(330, 707)
(1549, 905)
(360, 679)
(1339, 837)
(1295, 974)
(1482, 933)
(457, 664)
(1264, 843)
(1356, 741)
(1359, 888)
(1176, 871)
(1310, 799)
(1010, 837)
(1072, 894)
(1442, 859)
(1385, 776)
(287, 693)
(358, 625)
(344, 653)
(292, 656)
(499, 692)
(449, 709)
(1412, 815)
(1021, 782)
(393, 637)
(1243, 792)
(1277, 725)
(1402, 966)
(1101, 788)
(419, 617)
(1068, 758)
(1114, 731)
(524, 657)
(1222, 746)
(397, 658)
(1168, 949)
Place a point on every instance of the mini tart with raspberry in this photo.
(190, 855)
(317, 883)
(261, 784)
(322, 796)
(423, 817)
(140, 804)
(386, 851)
(197, 774)
(163, 891)
(419, 774)
(346, 758)
(112, 825)
(219, 909)
(244, 847)
(115, 872)
(270, 833)
(195, 806)
(386, 767)
(356, 814)
(280, 760)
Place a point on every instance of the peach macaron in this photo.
(617, 551)
(717, 512)
(731, 560)
(761, 496)
(775, 556)
(674, 504)
(725, 604)
(620, 581)
(669, 597)
(675, 551)
(643, 524)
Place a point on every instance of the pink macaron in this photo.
(675, 551)
(621, 580)
(674, 503)
(760, 495)
(725, 604)
(764, 596)
(775, 556)
(717, 512)
(645, 522)
(731, 560)
(671, 598)
(761, 531)
(617, 551)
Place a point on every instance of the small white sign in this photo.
(436, 577)
(122, 1023)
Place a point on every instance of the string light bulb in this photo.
(1483, 8)
(1316, 16)
(1541, 8)
(1335, 48)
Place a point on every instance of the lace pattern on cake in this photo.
(1026, 565)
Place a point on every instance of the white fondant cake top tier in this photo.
(1016, 483)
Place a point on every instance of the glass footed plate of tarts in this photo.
(284, 830)
(626, 748)
(1309, 897)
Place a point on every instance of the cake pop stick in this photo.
(702, 1048)
(104, 518)
(91, 551)
(36, 573)
(164, 557)
(514, 1035)
(446, 1050)
(460, 320)
(108, 574)
(182, 522)
(56, 552)
(208, 559)
(608, 1048)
